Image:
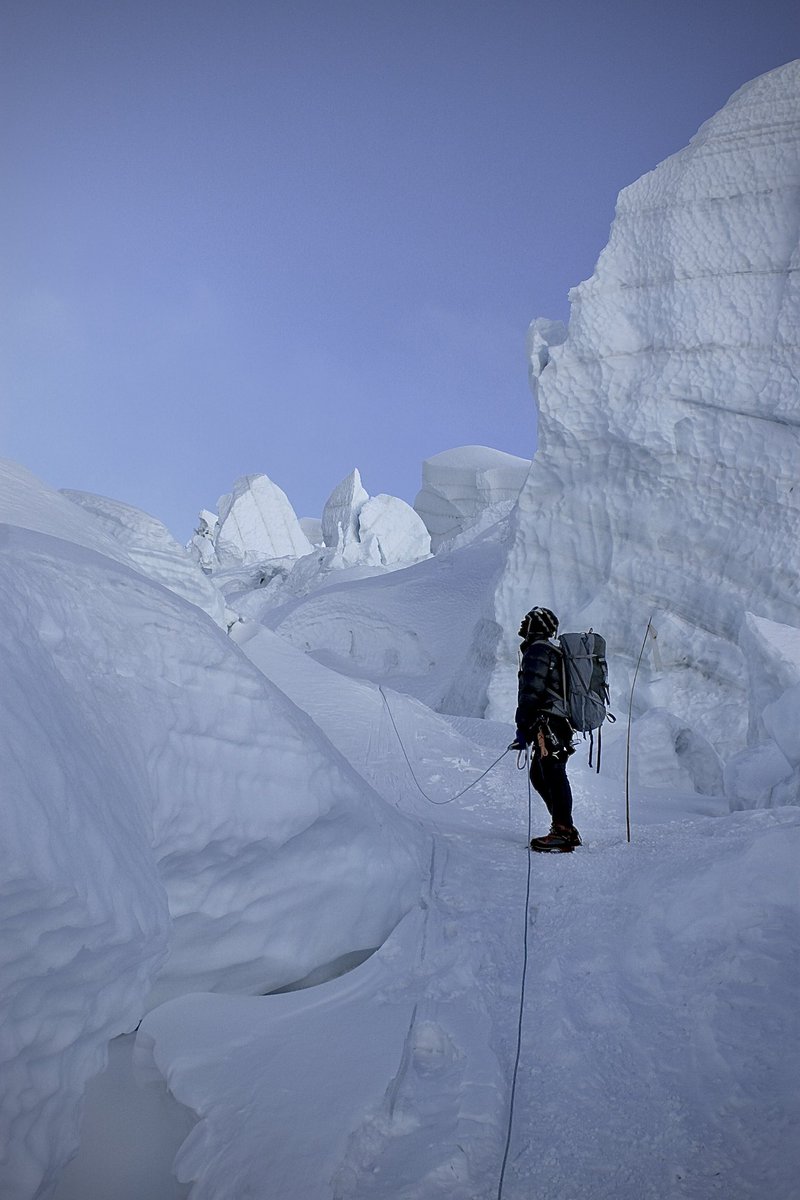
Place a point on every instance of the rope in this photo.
(420, 789)
(523, 763)
(512, 1101)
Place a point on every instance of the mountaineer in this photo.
(542, 724)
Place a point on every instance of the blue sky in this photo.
(297, 237)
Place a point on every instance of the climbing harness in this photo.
(420, 789)
(525, 764)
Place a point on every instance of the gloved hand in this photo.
(519, 742)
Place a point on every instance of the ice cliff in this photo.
(666, 480)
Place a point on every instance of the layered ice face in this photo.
(665, 484)
(461, 486)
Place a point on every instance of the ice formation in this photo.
(201, 544)
(665, 481)
(256, 521)
(163, 795)
(394, 529)
(340, 514)
(371, 531)
(459, 486)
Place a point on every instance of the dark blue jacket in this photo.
(541, 691)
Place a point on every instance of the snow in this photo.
(371, 531)
(426, 630)
(167, 798)
(657, 1055)
(458, 486)
(153, 550)
(341, 511)
(664, 483)
(397, 531)
(288, 837)
(132, 1128)
(256, 521)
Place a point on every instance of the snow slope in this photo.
(168, 805)
(659, 1047)
(151, 549)
(664, 482)
(426, 631)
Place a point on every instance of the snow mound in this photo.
(83, 910)
(150, 547)
(664, 484)
(152, 765)
(459, 485)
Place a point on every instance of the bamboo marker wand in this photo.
(650, 631)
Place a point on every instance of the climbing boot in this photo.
(560, 840)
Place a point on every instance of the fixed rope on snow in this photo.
(523, 763)
(524, 980)
(419, 786)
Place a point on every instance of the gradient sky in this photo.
(298, 236)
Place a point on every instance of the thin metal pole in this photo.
(630, 718)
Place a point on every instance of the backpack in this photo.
(585, 680)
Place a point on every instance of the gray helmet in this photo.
(541, 621)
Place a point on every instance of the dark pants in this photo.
(549, 777)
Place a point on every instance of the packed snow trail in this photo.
(658, 1055)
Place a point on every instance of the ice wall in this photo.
(666, 478)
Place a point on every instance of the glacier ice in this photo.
(395, 530)
(371, 531)
(460, 485)
(665, 481)
(192, 810)
(341, 511)
(256, 521)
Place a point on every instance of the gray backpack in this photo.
(585, 676)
